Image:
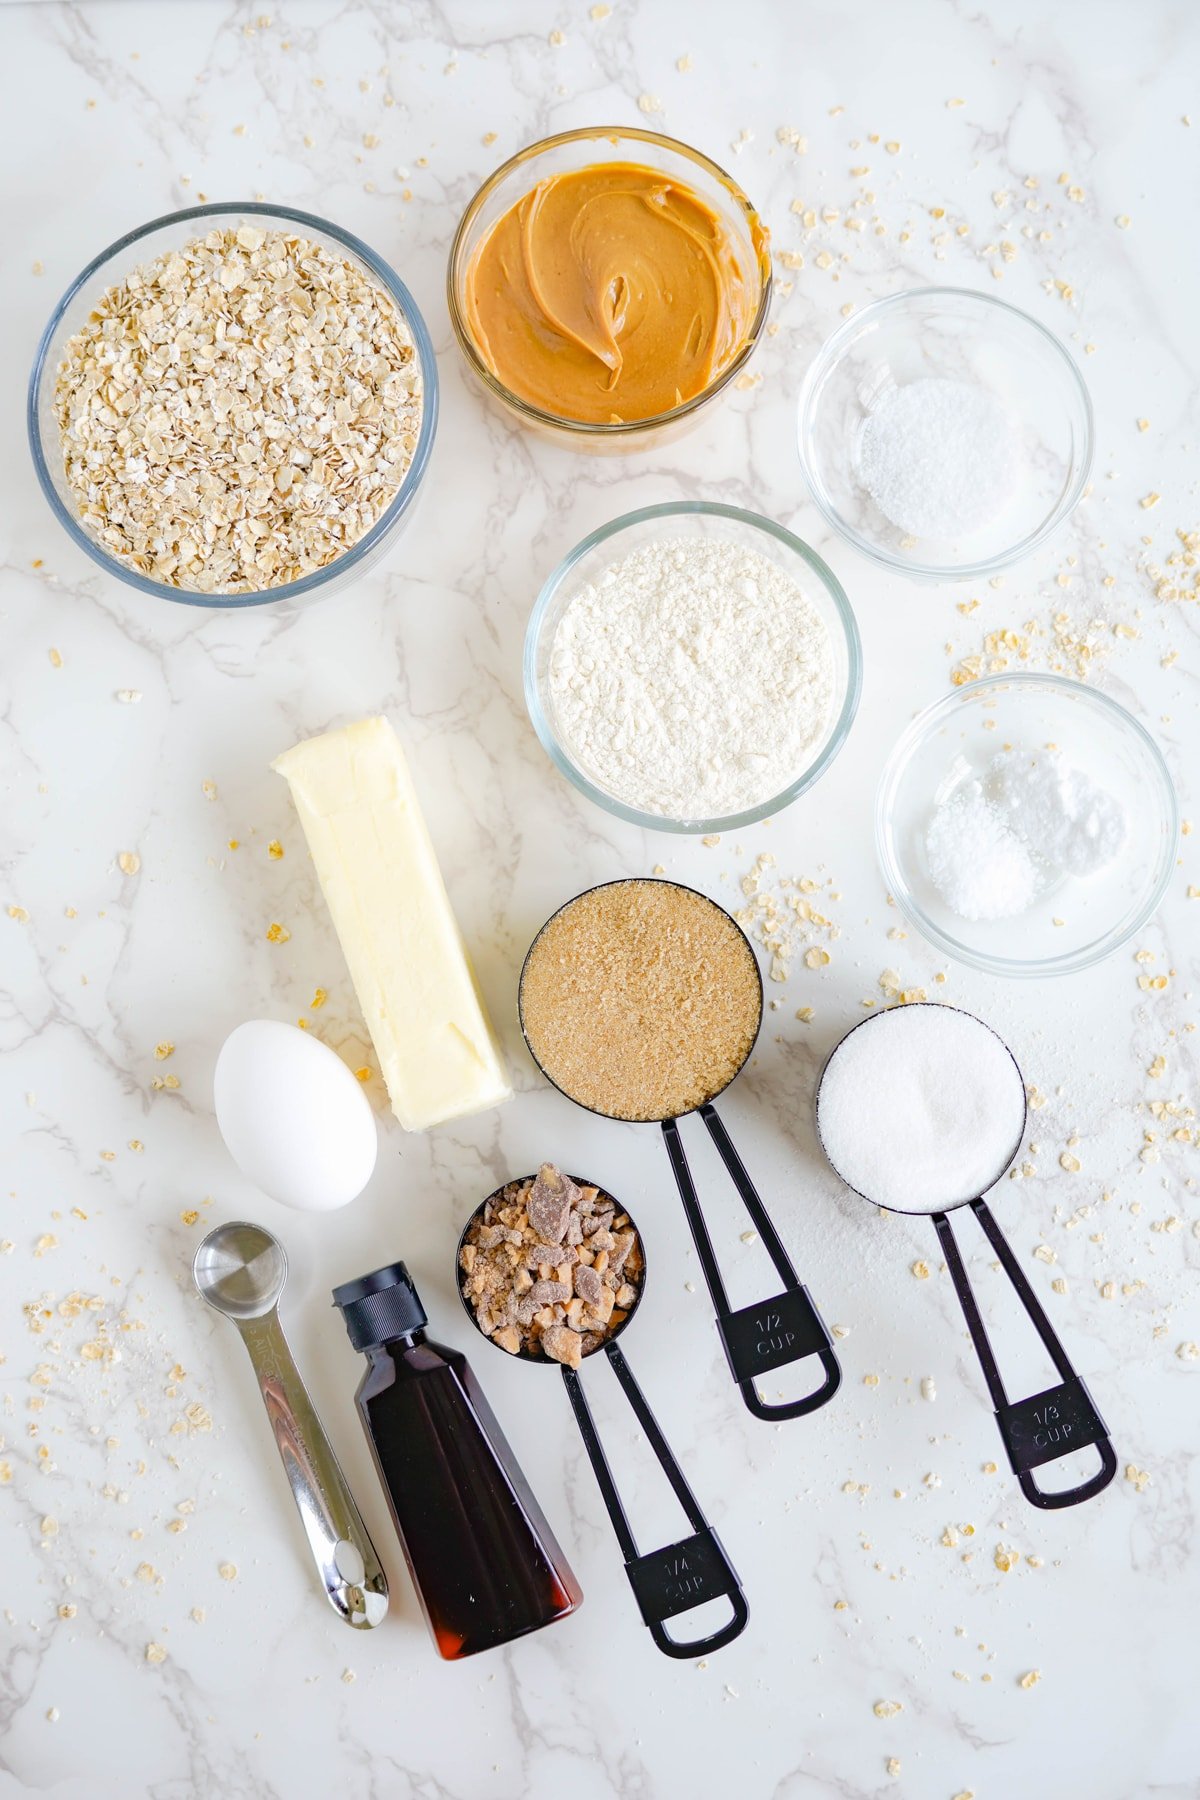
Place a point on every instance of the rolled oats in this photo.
(236, 414)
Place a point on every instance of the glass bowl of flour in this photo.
(1027, 825)
(944, 433)
(692, 667)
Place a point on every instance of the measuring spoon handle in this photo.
(351, 1575)
(1046, 1425)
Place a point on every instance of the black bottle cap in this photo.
(380, 1306)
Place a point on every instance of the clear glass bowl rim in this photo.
(341, 565)
(828, 355)
(1088, 954)
(626, 427)
(757, 522)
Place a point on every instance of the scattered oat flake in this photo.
(19, 914)
(887, 1709)
(1139, 1479)
(275, 849)
(921, 1271)
(198, 1416)
(348, 1675)
(277, 933)
(363, 1074)
(649, 103)
(1070, 1163)
(227, 1571)
(163, 1050)
(56, 661)
(209, 789)
(198, 1614)
(318, 1000)
(1030, 1678)
(129, 862)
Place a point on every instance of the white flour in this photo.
(692, 680)
(939, 458)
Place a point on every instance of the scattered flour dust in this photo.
(998, 843)
(693, 679)
(939, 458)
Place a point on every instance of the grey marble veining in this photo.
(867, 1536)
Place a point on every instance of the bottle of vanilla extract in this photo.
(486, 1565)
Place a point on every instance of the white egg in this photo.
(294, 1119)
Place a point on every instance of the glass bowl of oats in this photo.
(232, 405)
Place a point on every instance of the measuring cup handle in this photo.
(351, 1575)
(1046, 1425)
(681, 1575)
(769, 1333)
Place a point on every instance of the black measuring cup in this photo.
(769, 1333)
(1057, 1420)
(682, 1575)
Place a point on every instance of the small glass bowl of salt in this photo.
(944, 433)
(1026, 825)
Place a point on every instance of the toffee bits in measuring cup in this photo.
(641, 999)
(550, 1268)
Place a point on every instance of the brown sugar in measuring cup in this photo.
(641, 1000)
(553, 1271)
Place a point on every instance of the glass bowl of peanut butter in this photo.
(607, 283)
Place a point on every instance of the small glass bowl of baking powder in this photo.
(1027, 825)
(944, 433)
(712, 667)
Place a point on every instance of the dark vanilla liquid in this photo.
(484, 1561)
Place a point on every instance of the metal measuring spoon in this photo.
(681, 1576)
(240, 1270)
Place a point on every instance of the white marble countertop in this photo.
(1049, 163)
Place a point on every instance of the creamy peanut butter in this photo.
(609, 293)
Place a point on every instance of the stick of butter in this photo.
(381, 882)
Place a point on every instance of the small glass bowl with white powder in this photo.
(944, 433)
(1026, 825)
(692, 667)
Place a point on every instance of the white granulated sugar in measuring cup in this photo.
(920, 1108)
(939, 458)
(693, 679)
